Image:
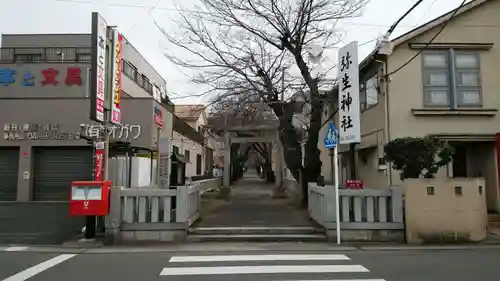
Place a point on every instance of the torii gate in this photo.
(271, 134)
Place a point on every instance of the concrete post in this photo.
(279, 191)
(113, 220)
(227, 160)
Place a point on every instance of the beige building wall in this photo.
(408, 117)
(194, 148)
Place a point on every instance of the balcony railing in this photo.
(45, 54)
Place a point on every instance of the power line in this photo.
(367, 24)
(430, 41)
(393, 27)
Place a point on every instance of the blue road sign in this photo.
(331, 137)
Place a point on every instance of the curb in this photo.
(239, 247)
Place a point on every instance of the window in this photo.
(129, 69)
(175, 150)
(140, 80)
(147, 85)
(451, 79)
(198, 164)
(369, 93)
(28, 57)
(186, 153)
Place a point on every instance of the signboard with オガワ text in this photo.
(98, 68)
(117, 77)
(349, 107)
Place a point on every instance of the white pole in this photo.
(337, 195)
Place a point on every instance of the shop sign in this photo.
(117, 78)
(116, 132)
(98, 68)
(158, 117)
(37, 132)
(354, 184)
(99, 161)
(164, 161)
(47, 77)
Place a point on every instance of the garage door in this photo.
(9, 166)
(55, 169)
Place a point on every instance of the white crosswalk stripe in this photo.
(287, 265)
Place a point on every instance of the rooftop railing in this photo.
(45, 54)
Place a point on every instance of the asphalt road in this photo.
(396, 265)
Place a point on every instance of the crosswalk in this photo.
(270, 267)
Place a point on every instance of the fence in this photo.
(151, 213)
(368, 209)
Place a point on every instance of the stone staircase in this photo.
(256, 234)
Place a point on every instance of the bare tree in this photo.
(242, 46)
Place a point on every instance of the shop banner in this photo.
(99, 161)
(98, 68)
(117, 77)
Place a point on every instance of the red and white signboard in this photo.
(354, 184)
(99, 161)
(117, 78)
(98, 68)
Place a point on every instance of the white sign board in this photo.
(164, 157)
(98, 68)
(349, 108)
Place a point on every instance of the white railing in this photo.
(359, 209)
(147, 205)
(153, 208)
(208, 184)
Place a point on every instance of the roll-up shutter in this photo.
(56, 168)
(9, 170)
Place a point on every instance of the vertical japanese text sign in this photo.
(164, 156)
(117, 77)
(98, 68)
(349, 107)
(99, 161)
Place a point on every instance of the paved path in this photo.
(405, 265)
(251, 204)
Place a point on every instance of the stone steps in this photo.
(256, 234)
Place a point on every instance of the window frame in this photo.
(427, 87)
(364, 93)
(478, 87)
(452, 87)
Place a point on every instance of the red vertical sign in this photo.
(99, 161)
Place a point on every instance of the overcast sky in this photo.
(134, 19)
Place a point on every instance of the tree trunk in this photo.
(291, 147)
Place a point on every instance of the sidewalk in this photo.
(246, 246)
(251, 204)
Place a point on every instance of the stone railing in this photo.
(366, 209)
(153, 213)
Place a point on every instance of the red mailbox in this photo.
(89, 198)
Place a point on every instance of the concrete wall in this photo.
(37, 223)
(442, 215)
